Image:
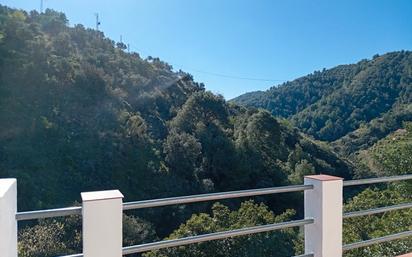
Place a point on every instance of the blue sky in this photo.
(257, 39)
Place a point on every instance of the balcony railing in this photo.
(102, 218)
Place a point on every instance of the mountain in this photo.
(390, 155)
(350, 105)
(80, 113)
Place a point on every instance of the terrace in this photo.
(101, 213)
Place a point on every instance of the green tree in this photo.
(183, 154)
(63, 236)
(372, 226)
(249, 214)
(302, 169)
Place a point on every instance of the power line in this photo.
(235, 77)
(220, 74)
(98, 23)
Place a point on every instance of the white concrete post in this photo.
(102, 223)
(324, 204)
(8, 222)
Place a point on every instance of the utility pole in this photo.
(128, 48)
(121, 39)
(97, 21)
(41, 6)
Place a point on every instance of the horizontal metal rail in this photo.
(81, 255)
(377, 240)
(213, 196)
(376, 180)
(41, 214)
(213, 236)
(61, 212)
(377, 210)
(73, 255)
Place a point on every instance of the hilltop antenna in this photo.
(121, 39)
(128, 48)
(41, 6)
(97, 21)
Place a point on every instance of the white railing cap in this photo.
(323, 177)
(101, 195)
(5, 185)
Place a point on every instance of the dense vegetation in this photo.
(356, 104)
(391, 156)
(249, 214)
(78, 113)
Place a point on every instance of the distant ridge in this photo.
(365, 100)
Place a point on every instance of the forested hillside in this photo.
(389, 156)
(355, 104)
(80, 113)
